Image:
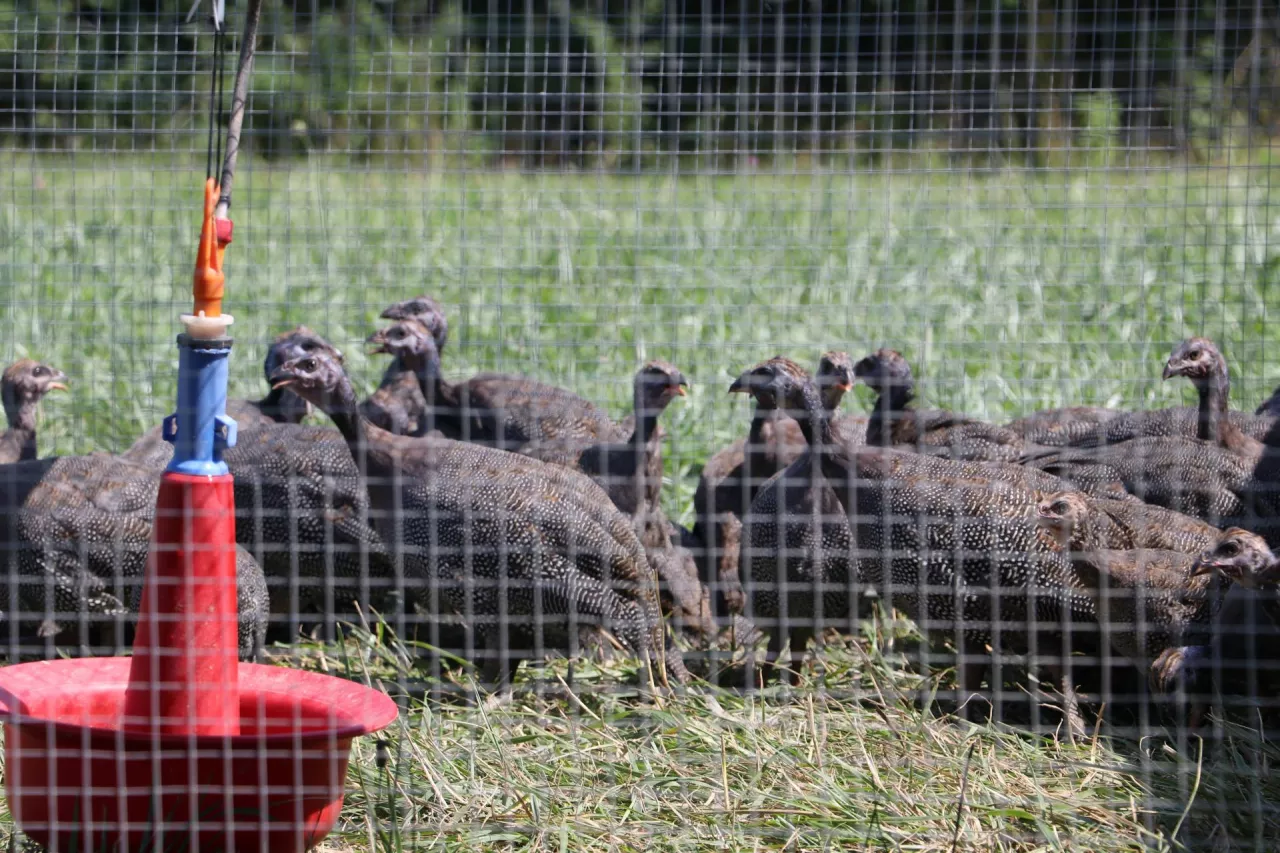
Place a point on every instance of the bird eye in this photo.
(39, 370)
(1195, 353)
(1230, 549)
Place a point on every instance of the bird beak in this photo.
(280, 380)
(377, 342)
(59, 382)
(392, 313)
(844, 386)
(738, 386)
(680, 389)
(1169, 371)
(1201, 569)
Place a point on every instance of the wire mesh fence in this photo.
(977, 555)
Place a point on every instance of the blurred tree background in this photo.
(634, 84)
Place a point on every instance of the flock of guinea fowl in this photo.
(505, 519)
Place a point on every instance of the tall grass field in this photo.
(1008, 291)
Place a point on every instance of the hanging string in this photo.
(220, 40)
(217, 110)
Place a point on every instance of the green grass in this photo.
(1009, 291)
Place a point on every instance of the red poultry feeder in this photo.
(181, 747)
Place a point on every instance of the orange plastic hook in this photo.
(207, 285)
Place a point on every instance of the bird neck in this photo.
(1214, 402)
(815, 425)
(890, 407)
(427, 370)
(283, 406)
(367, 442)
(832, 396)
(1213, 417)
(21, 413)
(647, 413)
(755, 456)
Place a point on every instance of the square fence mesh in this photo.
(976, 555)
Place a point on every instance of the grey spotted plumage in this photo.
(1081, 523)
(521, 551)
(78, 535)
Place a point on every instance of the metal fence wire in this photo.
(976, 556)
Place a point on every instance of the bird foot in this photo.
(1176, 667)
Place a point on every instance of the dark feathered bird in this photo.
(1080, 523)
(520, 550)
(1235, 637)
(500, 410)
(1145, 599)
(731, 478)
(895, 422)
(1200, 361)
(952, 547)
(397, 405)
(80, 528)
(24, 385)
(796, 558)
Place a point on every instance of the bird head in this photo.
(1242, 557)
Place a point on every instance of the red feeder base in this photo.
(76, 780)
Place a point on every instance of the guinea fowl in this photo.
(24, 385)
(895, 423)
(624, 468)
(731, 478)
(953, 547)
(1209, 473)
(1145, 599)
(621, 467)
(1081, 523)
(285, 407)
(397, 405)
(510, 544)
(794, 535)
(497, 409)
(1242, 640)
(1212, 419)
(81, 530)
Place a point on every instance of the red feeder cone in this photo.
(182, 749)
(183, 679)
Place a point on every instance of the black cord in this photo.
(213, 95)
(220, 75)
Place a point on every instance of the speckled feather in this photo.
(1099, 524)
(84, 531)
(472, 524)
